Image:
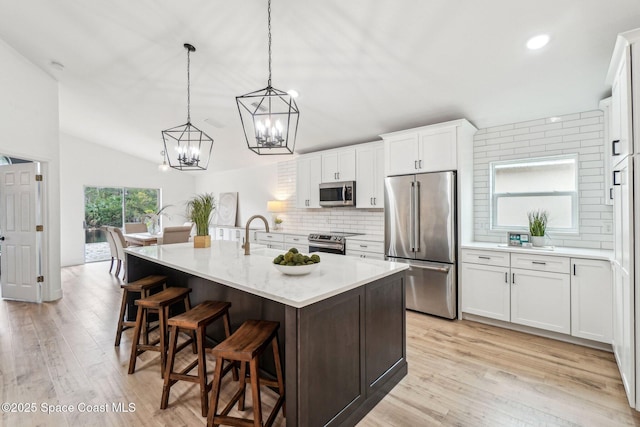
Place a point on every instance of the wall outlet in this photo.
(607, 227)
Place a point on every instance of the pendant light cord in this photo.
(269, 25)
(188, 86)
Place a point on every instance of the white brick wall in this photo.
(580, 133)
(369, 221)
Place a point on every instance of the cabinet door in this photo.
(401, 154)
(370, 176)
(308, 176)
(330, 167)
(485, 291)
(347, 164)
(303, 182)
(437, 150)
(621, 109)
(623, 214)
(623, 342)
(605, 106)
(591, 299)
(541, 300)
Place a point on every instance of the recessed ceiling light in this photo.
(294, 93)
(538, 41)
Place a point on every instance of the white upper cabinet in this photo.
(370, 175)
(427, 149)
(339, 165)
(620, 78)
(308, 177)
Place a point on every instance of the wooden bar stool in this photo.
(197, 319)
(142, 286)
(246, 345)
(160, 303)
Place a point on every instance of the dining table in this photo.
(141, 239)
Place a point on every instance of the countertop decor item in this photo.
(199, 211)
(537, 226)
(269, 116)
(152, 220)
(186, 147)
(295, 270)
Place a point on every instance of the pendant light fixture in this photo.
(186, 147)
(269, 116)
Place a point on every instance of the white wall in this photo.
(29, 129)
(581, 134)
(255, 187)
(87, 164)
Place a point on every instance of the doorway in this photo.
(113, 206)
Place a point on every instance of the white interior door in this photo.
(20, 212)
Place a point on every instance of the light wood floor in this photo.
(460, 373)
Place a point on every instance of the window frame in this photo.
(575, 195)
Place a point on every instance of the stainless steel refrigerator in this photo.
(420, 230)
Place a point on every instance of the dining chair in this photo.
(135, 227)
(118, 238)
(112, 245)
(177, 234)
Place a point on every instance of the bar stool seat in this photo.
(142, 286)
(160, 303)
(197, 319)
(246, 345)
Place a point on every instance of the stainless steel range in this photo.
(334, 242)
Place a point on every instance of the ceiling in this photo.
(362, 67)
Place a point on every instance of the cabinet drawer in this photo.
(496, 258)
(365, 246)
(368, 255)
(552, 264)
(270, 237)
(296, 239)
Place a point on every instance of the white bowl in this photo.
(296, 270)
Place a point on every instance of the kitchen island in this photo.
(342, 327)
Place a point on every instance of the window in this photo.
(520, 186)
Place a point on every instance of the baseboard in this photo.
(539, 332)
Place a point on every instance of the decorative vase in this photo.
(201, 241)
(153, 225)
(537, 240)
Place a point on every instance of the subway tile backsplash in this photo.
(580, 133)
(368, 221)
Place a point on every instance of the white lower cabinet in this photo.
(541, 300)
(271, 240)
(364, 249)
(486, 292)
(591, 300)
(555, 293)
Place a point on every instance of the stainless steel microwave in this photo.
(338, 193)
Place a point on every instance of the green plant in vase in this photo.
(152, 219)
(538, 226)
(199, 211)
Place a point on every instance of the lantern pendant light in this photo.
(269, 116)
(186, 147)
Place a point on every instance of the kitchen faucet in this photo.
(246, 246)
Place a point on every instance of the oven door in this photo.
(329, 248)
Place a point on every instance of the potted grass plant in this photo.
(199, 211)
(538, 226)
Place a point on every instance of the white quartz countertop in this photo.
(224, 262)
(551, 251)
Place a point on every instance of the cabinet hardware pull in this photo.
(338, 175)
(295, 240)
(513, 278)
(506, 277)
(615, 181)
(420, 164)
(375, 201)
(611, 193)
(364, 246)
(574, 269)
(269, 237)
(538, 262)
(371, 200)
(415, 164)
(484, 257)
(613, 147)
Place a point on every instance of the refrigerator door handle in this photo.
(429, 267)
(416, 216)
(412, 219)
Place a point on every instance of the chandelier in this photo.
(186, 147)
(269, 116)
